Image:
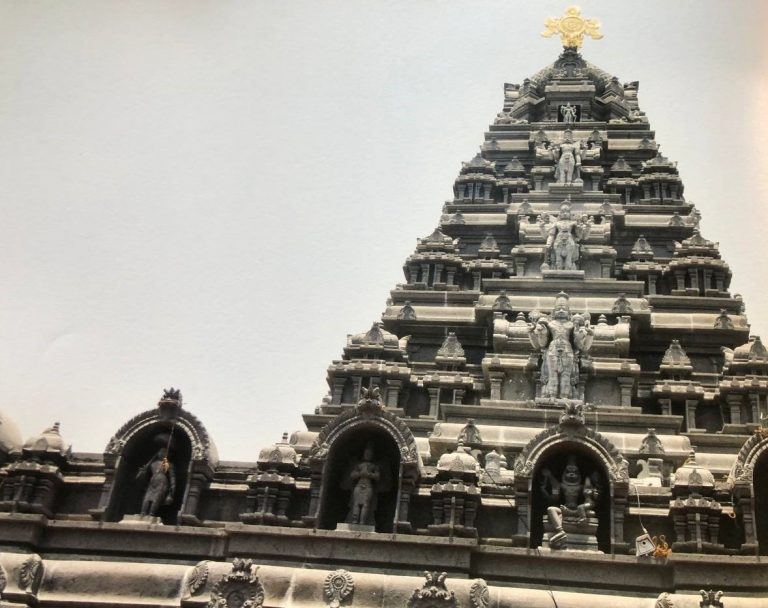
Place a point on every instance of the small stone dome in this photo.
(459, 464)
(691, 475)
(10, 437)
(49, 441)
(279, 455)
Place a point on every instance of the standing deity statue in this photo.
(572, 498)
(568, 112)
(161, 486)
(562, 339)
(567, 157)
(365, 478)
(564, 236)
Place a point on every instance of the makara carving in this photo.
(434, 593)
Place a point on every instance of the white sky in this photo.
(211, 195)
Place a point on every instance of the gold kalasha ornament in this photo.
(572, 28)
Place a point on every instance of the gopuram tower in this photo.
(561, 406)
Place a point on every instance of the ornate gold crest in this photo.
(572, 28)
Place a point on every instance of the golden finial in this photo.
(572, 28)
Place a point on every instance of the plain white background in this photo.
(211, 195)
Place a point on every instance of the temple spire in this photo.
(572, 28)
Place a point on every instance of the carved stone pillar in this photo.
(754, 403)
(707, 280)
(434, 401)
(693, 276)
(476, 280)
(407, 486)
(197, 482)
(680, 277)
(652, 280)
(337, 390)
(438, 274)
(666, 407)
(626, 385)
(520, 267)
(505, 195)
(450, 273)
(720, 281)
(734, 407)
(425, 274)
(690, 413)
(393, 392)
(497, 380)
(413, 272)
(458, 395)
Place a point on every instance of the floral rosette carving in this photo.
(338, 586)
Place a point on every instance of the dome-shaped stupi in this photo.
(49, 442)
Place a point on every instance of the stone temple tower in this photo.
(560, 406)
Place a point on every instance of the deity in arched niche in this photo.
(564, 236)
(562, 338)
(572, 500)
(160, 476)
(365, 478)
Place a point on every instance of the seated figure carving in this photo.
(572, 501)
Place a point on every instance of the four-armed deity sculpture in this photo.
(161, 486)
(568, 112)
(564, 236)
(563, 338)
(572, 501)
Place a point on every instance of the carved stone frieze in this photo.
(710, 599)
(479, 595)
(238, 589)
(30, 573)
(434, 593)
(338, 586)
(197, 578)
(664, 601)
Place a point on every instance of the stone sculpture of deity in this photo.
(160, 476)
(365, 478)
(568, 112)
(562, 339)
(564, 236)
(572, 501)
(567, 157)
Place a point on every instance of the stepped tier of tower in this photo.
(562, 369)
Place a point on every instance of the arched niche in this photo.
(749, 481)
(192, 454)
(551, 449)
(339, 447)
(344, 458)
(554, 461)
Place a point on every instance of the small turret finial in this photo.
(572, 28)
